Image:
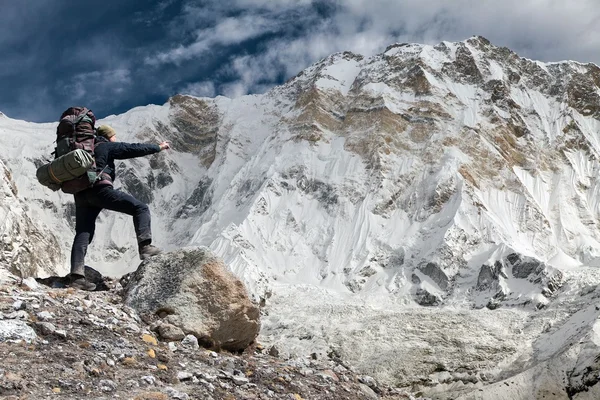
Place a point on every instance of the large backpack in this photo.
(74, 168)
(75, 130)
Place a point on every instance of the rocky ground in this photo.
(70, 344)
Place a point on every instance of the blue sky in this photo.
(113, 55)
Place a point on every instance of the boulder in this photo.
(192, 289)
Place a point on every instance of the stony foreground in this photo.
(68, 344)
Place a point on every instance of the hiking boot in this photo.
(79, 282)
(148, 251)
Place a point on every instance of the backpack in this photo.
(75, 130)
(74, 168)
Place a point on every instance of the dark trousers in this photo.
(88, 205)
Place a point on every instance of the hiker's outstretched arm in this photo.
(124, 151)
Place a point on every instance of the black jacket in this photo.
(106, 153)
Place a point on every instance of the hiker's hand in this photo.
(165, 146)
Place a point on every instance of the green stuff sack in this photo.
(65, 168)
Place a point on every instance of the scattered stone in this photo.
(170, 332)
(329, 375)
(367, 391)
(19, 305)
(239, 380)
(61, 333)
(274, 351)
(190, 341)
(151, 396)
(149, 379)
(174, 394)
(16, 330)
(184, 376)
(129, 361)
(106, 385)
(46, 328)
(149, 339)
(44, 316)
(21, 314)
(30, 284)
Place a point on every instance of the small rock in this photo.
(367, 391)
(170, 332)
(174, 394)
(44, 316)
(61, 333)
(131, 384)
(207, 377)
(329, 375)
(16, 330)
(30, 284)
(184, 376)
(129, 361)
(163, 356)
(19, 305)
(190, 341)
(274, 351)
(21, 314)
(150, 380)
(46, 328)
(151, 396)
(367, 380)
(239, 380)
(106, 385)
(133, 328)
(172, 346)
(149, 339)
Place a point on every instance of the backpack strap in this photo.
(81, 116)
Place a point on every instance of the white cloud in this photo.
(200, 89)
(96, 85)
(235, 89)
(229, 31)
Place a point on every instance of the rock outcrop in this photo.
(26, 248)
(191, 289)
(70, 344)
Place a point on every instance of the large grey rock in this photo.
(16, 330)
(193, 290)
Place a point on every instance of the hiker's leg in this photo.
(85, 224)
(116, 200)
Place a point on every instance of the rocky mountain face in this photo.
(429, 214)
(26, 249)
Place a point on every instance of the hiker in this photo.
(102, 195)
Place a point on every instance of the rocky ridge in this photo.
(74, 344)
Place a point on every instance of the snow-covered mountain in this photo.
(429, 215)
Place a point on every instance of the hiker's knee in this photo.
(142, 208)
